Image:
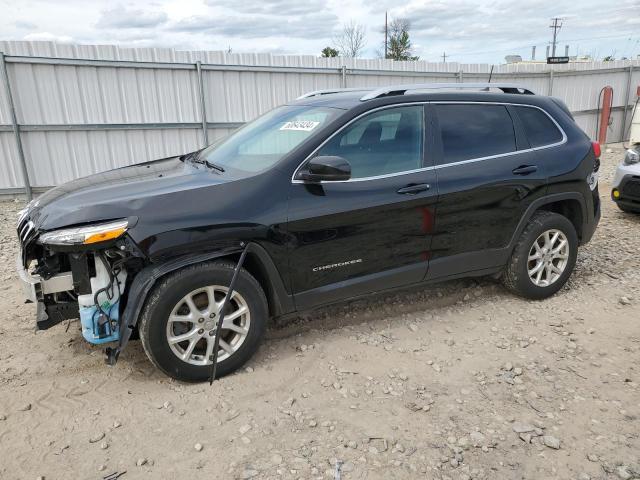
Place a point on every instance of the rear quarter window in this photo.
(538, 127)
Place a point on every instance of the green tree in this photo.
(398, 44)
(329, 52)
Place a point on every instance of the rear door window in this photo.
(539, 128)
(471, 131)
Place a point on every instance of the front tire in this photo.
(178, 322)
(544, 257)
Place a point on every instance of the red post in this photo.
(605, 114)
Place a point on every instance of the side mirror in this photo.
(326, 168)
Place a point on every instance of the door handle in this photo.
(525, 170)
(415, 188)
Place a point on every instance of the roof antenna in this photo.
(486, 89)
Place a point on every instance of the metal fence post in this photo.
(16, 129)
(626, 104)
(203, 110)
(460, 79)
(550, 92)
(343, 72)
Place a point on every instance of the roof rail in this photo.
(329, 91)
(403, 89)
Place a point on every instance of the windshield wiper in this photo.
(213, 165)
(194, 157)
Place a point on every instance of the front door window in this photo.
(383, 142)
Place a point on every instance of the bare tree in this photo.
(350, 42)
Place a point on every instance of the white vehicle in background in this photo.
(626, 182)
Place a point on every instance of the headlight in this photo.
(86, 235)
(631, 156)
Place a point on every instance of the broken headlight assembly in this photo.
(100, 272)
(85, 235)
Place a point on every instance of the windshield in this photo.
(263, 142)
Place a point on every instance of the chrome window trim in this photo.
(435, 167)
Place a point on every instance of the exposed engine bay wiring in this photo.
(113, 270)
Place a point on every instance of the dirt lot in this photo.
(457, 381)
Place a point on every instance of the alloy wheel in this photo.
(548, 258)
(191, 326)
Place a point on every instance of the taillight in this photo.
(592, 178)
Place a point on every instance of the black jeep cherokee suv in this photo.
(334, 196)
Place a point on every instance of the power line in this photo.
(630, 35)
(386, 43)
(557, 25)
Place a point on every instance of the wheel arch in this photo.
(571, 205)
(569, 208)
(259, 265)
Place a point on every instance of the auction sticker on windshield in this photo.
(300, 125)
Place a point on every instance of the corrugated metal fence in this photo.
(80, 109)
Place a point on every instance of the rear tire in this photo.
(186, 304)
(544, 257)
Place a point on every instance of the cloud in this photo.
(283, 8)
(121, 17)
(48, 37)
(306, 26)
(460, 19)
(25, 25)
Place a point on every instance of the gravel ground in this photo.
(456, 381)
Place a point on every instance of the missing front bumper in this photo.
(34, 287)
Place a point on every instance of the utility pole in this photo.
(444, 57)
(386, 42)
(556, 26)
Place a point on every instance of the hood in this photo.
(118, 193)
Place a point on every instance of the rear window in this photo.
(538, 127)
(475, 131)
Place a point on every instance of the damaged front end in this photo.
(79, 272)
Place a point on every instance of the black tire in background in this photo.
(168, 292)
(516, 276)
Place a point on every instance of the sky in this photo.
(479, 31)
